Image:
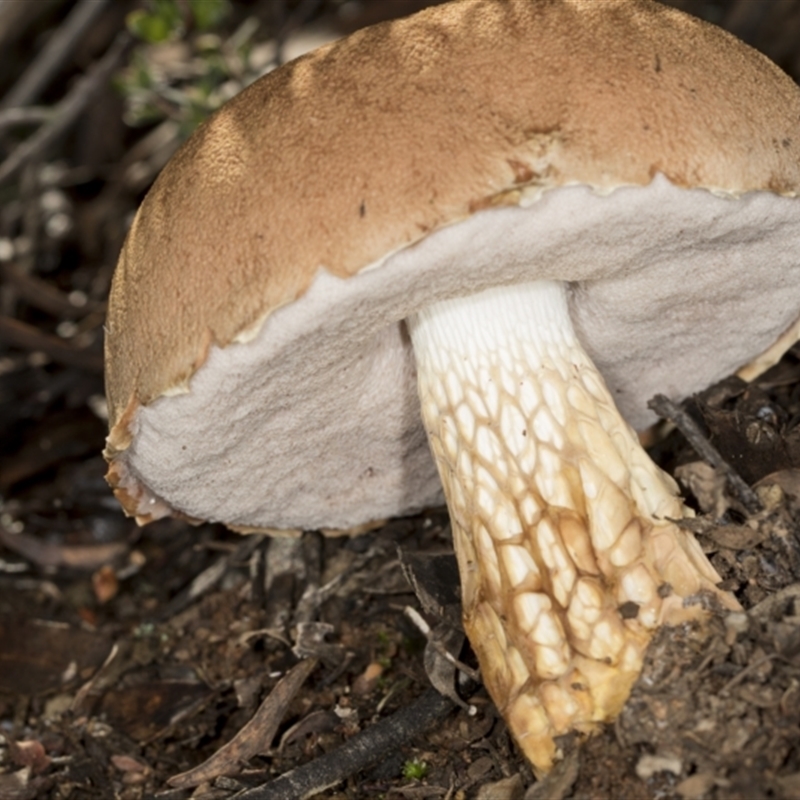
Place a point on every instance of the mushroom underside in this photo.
(314, 420)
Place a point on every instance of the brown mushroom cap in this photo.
(453, 130)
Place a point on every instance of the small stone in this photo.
(649, 765)
(696, 787)
(505, 789)
(735, 623)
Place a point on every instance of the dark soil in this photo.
(129, 657)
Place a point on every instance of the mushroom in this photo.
(543, 212)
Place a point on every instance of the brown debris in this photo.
(19, 786)
(149, 710)
(253, 738)
(715, 705)
(29, 753)
(38, 656)
(691, 430)
(48, 554)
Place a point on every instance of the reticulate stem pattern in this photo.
(560, 520)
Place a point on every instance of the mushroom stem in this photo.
(561, 522)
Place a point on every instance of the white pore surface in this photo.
(315, 422)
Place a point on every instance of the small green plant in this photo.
(163, 20)
(385, 649)
(383, 638)
(183, 69)
(415, 770)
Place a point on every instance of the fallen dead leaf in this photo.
(505, 789)
(255, 737)
(105, 584)
(127, 764)
(319, 721)
(29, 753)
(19, 785)
(696, 786)
(368, 679)
(49, 554)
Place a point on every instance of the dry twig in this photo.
(32, 115)
(420, 622)
(253, 738)
(20, 334)
(360, 751)
(53, 554)
(666, 409)
(55, 53)
(68, 110)
(17, 17)
(210, 577)
(45, 296)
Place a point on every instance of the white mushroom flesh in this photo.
(561, 522)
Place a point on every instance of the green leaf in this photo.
(150, 28)
(208, 13)
(161, 21)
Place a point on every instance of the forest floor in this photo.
(174, 661)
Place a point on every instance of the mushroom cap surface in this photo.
(258, 371)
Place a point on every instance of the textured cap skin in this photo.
(367, 145)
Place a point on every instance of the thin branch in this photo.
(359, 751)
(68, 110)
(16, 18)
(31, 115)
(26, 337)
(665, 408)
(209, 577)
(420, 622)
(44, 295)
(255, 737)
(54, 54)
